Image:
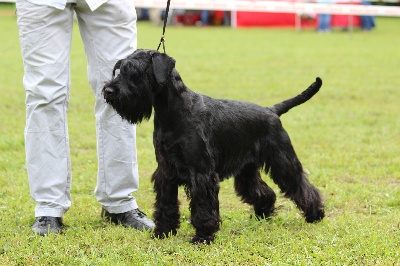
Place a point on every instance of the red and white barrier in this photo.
(275, 7)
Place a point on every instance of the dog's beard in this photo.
(136, 111)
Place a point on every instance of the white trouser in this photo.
(108, 34)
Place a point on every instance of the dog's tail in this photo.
(306, 95)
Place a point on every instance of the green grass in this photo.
(347, 136)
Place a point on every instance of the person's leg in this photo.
(320, 22)
(204, 17)
(45, 37)
(109, 34)
(367, 22)
(324, 22)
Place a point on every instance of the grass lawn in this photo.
(347, 137)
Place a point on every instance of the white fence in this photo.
(276, 7)
(350, 8)
(341, 7)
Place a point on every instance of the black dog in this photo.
(200, 141)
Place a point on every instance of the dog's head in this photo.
(135, 81)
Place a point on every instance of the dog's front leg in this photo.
(204, 206)
(166, 214)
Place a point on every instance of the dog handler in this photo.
(108, 31)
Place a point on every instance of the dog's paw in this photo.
(205, 240)
(158, 235)
(315, 217)
(161, 234)
(264, 214)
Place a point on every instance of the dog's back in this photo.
(235, 130)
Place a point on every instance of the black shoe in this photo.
(46, 224)
(134, 219)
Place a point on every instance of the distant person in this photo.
(204, 15)
(218, 18)
(367, 22)
(324, 20)
(227, 18)
(324, 23)
(144, 14)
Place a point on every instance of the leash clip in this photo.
(162, 40)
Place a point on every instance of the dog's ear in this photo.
(162, 67)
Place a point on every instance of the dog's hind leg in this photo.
(254, 191)
(287, 172)
(166, 214)
(204, 206)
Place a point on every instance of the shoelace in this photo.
(139, 213)
(136, 212)
(44, 220)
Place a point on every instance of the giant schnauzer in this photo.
(200, 141)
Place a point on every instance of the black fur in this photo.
(200, 141)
